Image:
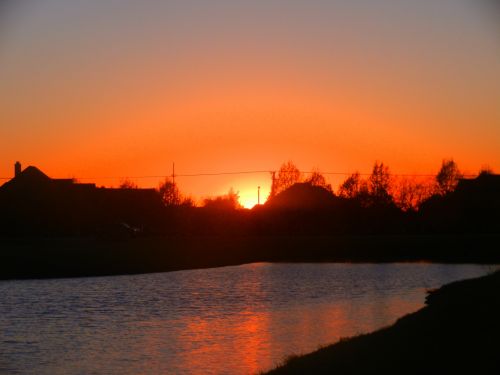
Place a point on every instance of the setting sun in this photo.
(235, 97)
(249, 197)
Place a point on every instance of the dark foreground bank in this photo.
(75, 257)
(457, 332)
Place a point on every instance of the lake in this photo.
(229, 320)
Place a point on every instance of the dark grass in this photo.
(457, 332)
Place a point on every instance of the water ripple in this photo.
(224, 320)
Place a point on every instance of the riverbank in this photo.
(456, 332)
(77, 257)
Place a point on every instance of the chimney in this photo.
(17, 169)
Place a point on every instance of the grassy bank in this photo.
(69, 257)
(456, 332)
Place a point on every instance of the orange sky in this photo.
(105, 88)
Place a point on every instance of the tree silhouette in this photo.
(188, 201)
(379, 184)
(128, 184)
(230, 201)
(409, 194)
(351, 187)
(170, 193)
(317, 179)
(447, 177)
(287, 175)
(486, 171)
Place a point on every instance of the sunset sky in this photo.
(114, 88)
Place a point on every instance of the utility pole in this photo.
(273, 183)
(258, 195)
(173, 173)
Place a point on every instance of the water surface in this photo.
(231, 320)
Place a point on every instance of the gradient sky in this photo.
(101, 88)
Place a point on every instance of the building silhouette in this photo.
(32, 202)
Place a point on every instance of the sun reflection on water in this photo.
(236, 320)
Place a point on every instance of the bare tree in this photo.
(230, 201)
(485, 171)
(287, 175)
(170, 193)
(379, 183)
(409, 194)
(128, 184)
(447, 177)
(317, 179)
(188, 201)
(351, 186)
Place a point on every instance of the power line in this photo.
(176, 175)
(220, 173)
(207, 174)
(164, 176)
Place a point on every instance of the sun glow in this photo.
(249, 197)
(263, 95)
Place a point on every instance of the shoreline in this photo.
(34, 258)
(455, 332)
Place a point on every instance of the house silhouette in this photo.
(32, 202)
(473, 207)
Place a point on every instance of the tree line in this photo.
(379, 188)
